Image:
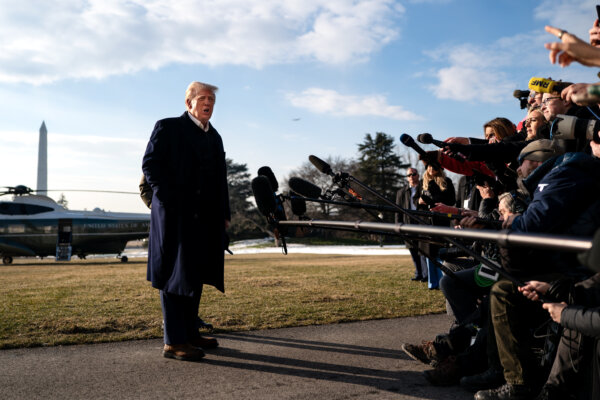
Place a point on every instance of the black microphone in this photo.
(426, 138)
(321, 165)
(263, 195)
(266, 171)
(304, 188)
(407, 140)
(298, 206)
(520, 93)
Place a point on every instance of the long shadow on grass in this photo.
(317, 346)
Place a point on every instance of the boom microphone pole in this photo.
(344, 179)
(311, 192)
(503, 238)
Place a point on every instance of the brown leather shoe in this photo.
(204, 342)
(184, 352)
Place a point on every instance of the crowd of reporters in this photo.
(535, 335)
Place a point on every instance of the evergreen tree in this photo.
(380, 166)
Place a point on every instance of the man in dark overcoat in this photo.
(408, 198)
(185, 165)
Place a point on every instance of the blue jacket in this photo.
(562, 188)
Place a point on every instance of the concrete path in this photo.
(360, 360)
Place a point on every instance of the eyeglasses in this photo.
(547, 100)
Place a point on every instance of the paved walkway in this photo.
(359, 360)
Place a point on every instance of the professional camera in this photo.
(523, 97)
(568, 127)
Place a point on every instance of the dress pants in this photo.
(420, 263)
(180, 314)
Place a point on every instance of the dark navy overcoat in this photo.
(186, 169)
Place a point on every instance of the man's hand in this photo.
(458, 140)
(509, 221)
(595, 34)
(533, 289)
(471, 222)
(577, 89)
(555, 310)
(442, 208)
(486, 191)
(570, 49)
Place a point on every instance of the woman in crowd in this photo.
(437, 188)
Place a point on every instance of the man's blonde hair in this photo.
(195, 87)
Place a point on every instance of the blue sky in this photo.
(296, 77)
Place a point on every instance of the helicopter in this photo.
(35, 225)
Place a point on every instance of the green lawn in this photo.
(47, 303)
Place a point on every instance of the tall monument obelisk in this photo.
(42, 173)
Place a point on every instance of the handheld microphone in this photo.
(304, 188)
(321, 165)
(263, 195)
(407, 140)
(268, 172)
(426, 138)
(542, 85)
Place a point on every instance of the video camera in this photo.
(568, 127)
(523, 97)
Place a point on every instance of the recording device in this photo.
(279, 214)
(569, 127)
(268, 173)
(425, 196)
(521, 93)
(263, 195)
(266, 202)
(426, 138)
(298, 206)
(523, 97)
(542, 85)
(407, 140)
(304, 188)
(340, 179)
(487, 273)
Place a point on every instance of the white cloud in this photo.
(576, 16)
(324, 101)
(486, 73)
(42, 42)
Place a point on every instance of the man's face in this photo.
(201, 106)
(413, 177)
(504, 211)
(535, 99)
(527, 168)
(552, 105)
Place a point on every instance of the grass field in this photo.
(47, 303)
